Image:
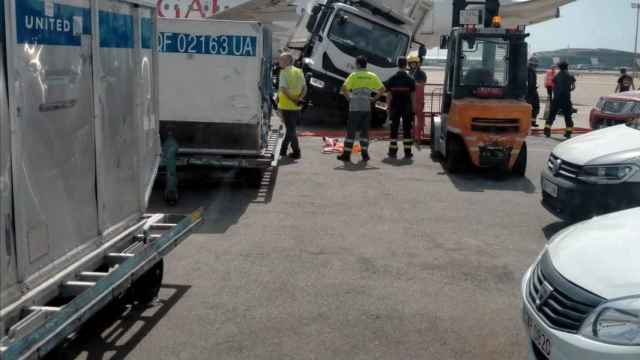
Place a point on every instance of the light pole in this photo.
(636, 5)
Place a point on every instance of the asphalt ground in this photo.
(392, 260)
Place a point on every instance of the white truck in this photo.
(335, 32)
(215, 97)
(79, 150)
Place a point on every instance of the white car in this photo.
(594, 174)
(582, 296)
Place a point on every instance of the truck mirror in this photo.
(444, 42)
(313, 18)
(422, 52)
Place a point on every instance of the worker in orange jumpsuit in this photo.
(420, 77)
(549, 77)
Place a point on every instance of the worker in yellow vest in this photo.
(291, 92)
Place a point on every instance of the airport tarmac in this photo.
(392, 260)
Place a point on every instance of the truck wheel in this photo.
(171, 198)
(520, 167)
(146, 288)
(456, 155)
(378, 119)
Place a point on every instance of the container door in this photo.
(118, 131)
(53, 143)
(148, 104)
(8, 265)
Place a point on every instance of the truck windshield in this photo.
(356, 35)
(484, 63)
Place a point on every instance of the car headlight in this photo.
(615, 323)
(317, 82)
(610, 174)
(600, 104)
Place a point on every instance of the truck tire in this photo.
(520, 167)
(435, 154)
(456, 160)
(378, 118)
(171, 198)
(146, 288)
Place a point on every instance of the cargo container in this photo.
(79, 151)
(215, 97)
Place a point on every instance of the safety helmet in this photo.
(413, 57)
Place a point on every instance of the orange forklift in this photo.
(484, 118)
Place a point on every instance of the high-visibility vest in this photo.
(549, 77)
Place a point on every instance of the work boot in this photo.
(547, 132)
(567, 134)
(534, 124)
(296, 155)
(408, 154)
(345, 157)
(393, 154)
(365, 156)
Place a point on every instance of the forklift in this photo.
(484, 119)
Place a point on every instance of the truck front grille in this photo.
(495, 126)
(559, 302)
(563, 168)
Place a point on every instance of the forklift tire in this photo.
(456, 159)
(520, 167)
(145, 289)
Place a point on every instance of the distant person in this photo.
(564, 84)
(625, 82)
(533, 97)
(549, 75)
(420, 77)
(401, 90)
(358, 89)
(292, 89)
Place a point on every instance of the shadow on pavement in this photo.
(397, 162)
(552, 229)
(474, 181)
(360, 166)
(116, 330)
(224, 196)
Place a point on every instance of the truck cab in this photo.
(336, 32)
(485, 119)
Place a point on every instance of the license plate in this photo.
(550, 188)
(537, 335)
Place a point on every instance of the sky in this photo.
(588, 24)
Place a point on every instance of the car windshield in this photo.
(484, 63)
(620, 107)
(352, 33)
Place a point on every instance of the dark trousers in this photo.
(290, 119)
(359, 122)
(406, 115)
(534, 100)
(550, 93)
(561, 105)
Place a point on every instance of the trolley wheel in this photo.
(171, 198)
(253, 177)
(146, 288)
(456, 160)
(520, 167)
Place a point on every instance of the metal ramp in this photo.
(129, 265)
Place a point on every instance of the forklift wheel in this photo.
(253, 177)
(146, 288)
(456, 158)
(520, 167)
(171, 198)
